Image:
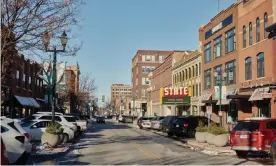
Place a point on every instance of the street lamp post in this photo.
(218, 78)
(46, 41)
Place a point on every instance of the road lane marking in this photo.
(152, 156)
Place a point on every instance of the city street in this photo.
(115, 143)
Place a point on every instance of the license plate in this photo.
(243, 136)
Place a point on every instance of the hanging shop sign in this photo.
(176, 100)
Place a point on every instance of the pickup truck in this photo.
(82, 124)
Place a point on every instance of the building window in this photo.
(183, 78)
(199, 89)
(143, 92)
(260, 65)
(248, 68)
(244, 36)
(148, 58)
(152, 68)
(258, 36)
(230, 69)
(153, 58)
(160, 58)
(18, 78)
(193, 71)
(217, 47)
(148, 69)
(26, 82)
(230, 41)
(207, 52)
(265, 25)
(217, 69)
(196, 89)
(143, 69)
(147, 81)
(180, 79)
(190, 74)
(186, 74)
(143, 58)
(193, 90)
(207, 79)
(196, 70)
(250, 34)
(199, 68)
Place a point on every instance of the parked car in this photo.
(156, 122)
(272, 151)
(146, 122)
(37, 127)
(167, 122)
(100, 119)
(58, 118)
(76, 121)
(139, 122)
(14, 142)
(253, 135)
(4, 155)
(186, 125)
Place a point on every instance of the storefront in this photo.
(178, 99)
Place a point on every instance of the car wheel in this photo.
(170, 134)
(191, 134)
(65, 139)
(241, 153)
(272, 151)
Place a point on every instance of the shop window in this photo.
(248, 68)
(217, 47)
(258, 36)
(265, 25)
(230, 69)
(230, 41)
(207, 52)
(250, 34)
(244, 36)
(207, 79)
(260, 65)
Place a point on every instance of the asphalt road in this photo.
(113, 143)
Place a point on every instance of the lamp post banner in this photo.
(223, 92)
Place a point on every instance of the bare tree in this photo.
(24, 21)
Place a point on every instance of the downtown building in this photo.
(235, 47)
(121, 96)
(143, 63)
(160, 79)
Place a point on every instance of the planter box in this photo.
(220, 140)
(200, 137)
(50, 139)
(209, 138)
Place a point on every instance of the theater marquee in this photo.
(172, 96)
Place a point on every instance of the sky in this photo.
(113, 30)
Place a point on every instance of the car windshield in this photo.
(247, 126)
(27, 124)
(70, 119)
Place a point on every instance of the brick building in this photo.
(160, 78)
(22, 90)
(257, 71)
(142, 63)
(219, 54)
(186, 73)
(121, 95)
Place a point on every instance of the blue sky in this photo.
(113, 30)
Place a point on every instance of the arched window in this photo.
(193, 71)
(250, 34)
(244, 36)
(260, 65)
(258, 36)
(196, 70)
(265, 25)
(248, 68)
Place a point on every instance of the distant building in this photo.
(121, 95)
(143, 63)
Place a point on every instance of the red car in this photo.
(4, 155)
(253, 135)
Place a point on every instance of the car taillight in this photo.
(186, 125)
(27, 135)
(20, 139)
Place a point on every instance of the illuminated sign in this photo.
(179, 95)
(181, 91)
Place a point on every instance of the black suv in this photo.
(186, 125)
(167, 123)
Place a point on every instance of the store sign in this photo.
(219, 26)
(176, 100)
(266, 95)
(181, 91)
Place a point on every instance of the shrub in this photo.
(201, 127)
(54, 128)
(214, 129)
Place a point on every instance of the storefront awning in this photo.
(238, 96)
(257, 94)
(34, 102)
(24, 101)
(204, 97)
(226, 101)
